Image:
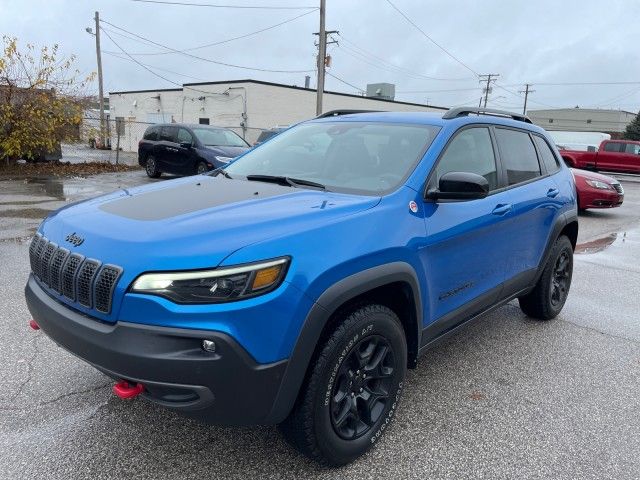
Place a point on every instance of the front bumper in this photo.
(226, 387)
(600, 199)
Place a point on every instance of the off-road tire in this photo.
(151, 167)
(542, 303)
(311, 427)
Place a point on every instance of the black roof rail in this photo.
(464, 111)
(336, 113)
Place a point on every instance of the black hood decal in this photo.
(201, 193)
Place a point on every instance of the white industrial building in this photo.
(246, 106)
(577, 119)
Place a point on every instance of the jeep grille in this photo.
(80, 279)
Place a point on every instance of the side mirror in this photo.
(460, 186)
(185, 144)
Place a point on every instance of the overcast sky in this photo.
(534, 41)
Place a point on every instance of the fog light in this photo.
(209, 345)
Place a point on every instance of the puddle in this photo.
(35, 213)
(599, 244)
(53, 187)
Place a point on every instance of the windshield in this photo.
(219, 137)
(357, 157)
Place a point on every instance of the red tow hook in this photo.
(33, 324)
(126, 391)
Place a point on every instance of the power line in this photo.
(173, 50)
(362, 58)
(441, 91)
(432, 40)
(215, 5)
(116, 55)
(520, 96)
(383, 61)
(344, 81)
(139, 63)
(617, 98)
(246, 35)
(548, 84)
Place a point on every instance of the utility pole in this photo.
(490, 78)
(322, 64)
(100, 89)
(527, 90)
(322, 53)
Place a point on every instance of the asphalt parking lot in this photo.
(506, 398)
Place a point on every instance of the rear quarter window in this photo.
(549, 159)
(518, 155)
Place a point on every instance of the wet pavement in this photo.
(506, 398)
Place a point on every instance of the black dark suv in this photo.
(187, 149)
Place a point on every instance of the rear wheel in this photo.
(151, 167)
(352, 389)
(550, 293)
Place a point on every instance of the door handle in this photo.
(171, 149)
(501, 209)
(553, 192)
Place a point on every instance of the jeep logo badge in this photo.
(74, 239)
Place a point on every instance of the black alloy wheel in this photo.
(361, 390)
(561, 279)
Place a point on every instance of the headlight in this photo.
(599, 185)
(220, 285)
(223, 159)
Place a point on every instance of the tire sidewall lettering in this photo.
(376, 435)
(343, 353)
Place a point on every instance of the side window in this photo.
(613, 147)
(548, 158)
(518, 155)
(632, 148)
(184, 136)
(168, 134)
(470, 151)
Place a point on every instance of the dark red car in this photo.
(596, 190)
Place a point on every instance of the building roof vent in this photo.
(384, 91)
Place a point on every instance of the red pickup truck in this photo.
(612, 155)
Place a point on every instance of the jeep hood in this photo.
(193, 222)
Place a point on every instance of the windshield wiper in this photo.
(221, 170)
(282, 180)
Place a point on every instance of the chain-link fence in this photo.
(119, 141)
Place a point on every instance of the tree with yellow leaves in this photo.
(41, 100)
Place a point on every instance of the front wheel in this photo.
(549, 295)
(352, 389)
(151, 167)
(201, 168)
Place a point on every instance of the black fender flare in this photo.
(561, 222)
(330, 300)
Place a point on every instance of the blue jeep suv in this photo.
(296, 285)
